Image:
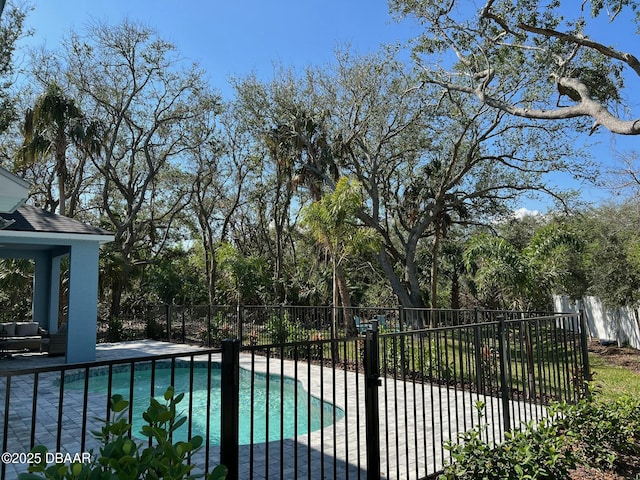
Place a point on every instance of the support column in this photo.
(46, 291)
(54, 294)
(83, 302)
(42, 280)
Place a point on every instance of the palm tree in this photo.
(331, 221)
(302, 156)
(517, 278)
(453, 268)
(55, 123)
(522, 278)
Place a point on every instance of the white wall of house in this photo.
(14, 191)
(618, 324)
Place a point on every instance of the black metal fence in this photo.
(377, 405)
(207, 325)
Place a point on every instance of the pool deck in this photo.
(413, 418)
(104, 351)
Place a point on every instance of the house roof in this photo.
(32, 219)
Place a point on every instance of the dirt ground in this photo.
(623, 357)
(628, 358)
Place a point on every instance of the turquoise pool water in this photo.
(260, 409)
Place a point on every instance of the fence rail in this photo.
(377, 405)
(207, 325)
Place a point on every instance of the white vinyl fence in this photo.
(621, 325)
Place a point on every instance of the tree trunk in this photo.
(397, 286)
(117, 288)
(61, 172)
(435, 252)
(455, 291)
(277, 274)
(212, 273)
(407, 296)
(345, 300)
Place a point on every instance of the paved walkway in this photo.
(414, 419)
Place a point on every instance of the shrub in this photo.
(432, 362)
(124, 459)
(539, 450)
(396, 356)
(216, 330)
(282, 329)
(589, 432)
(605, 430)
(155, 330)
(115, 330)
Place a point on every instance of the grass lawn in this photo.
(613, 380)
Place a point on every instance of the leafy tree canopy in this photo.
(533, 59)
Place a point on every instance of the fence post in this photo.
(586, 368)
(239, 320)
(184, 327)
(372, 376)
(229, 386)
(477, 350)
(208, 334)
(503, 353)
(168, 314)
(147, 316)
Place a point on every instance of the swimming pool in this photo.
(261, 407)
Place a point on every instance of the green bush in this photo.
(432, 362)
(535, 451)
(122, 458)
(589, 432)
(396, 355)
(156, 330)
(216, 330)
(282, 329)
(115, 330)
(605, 430)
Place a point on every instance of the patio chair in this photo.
(382, 323)
(360, 326)
(56, 343)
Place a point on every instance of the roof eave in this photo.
(14, 178)
(94, 237)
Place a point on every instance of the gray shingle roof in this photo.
(32, 219)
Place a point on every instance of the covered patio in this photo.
(28, 232)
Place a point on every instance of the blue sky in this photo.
(240, 37)
(235, 37)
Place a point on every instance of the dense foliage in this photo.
(122, 457)
(554, 61)
(592, 433)
(214, 201)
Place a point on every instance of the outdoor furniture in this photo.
(382, 321)
(3, 341)
(360, 326)
(56, 343)
(21, 336)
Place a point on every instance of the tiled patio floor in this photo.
(104, 351)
